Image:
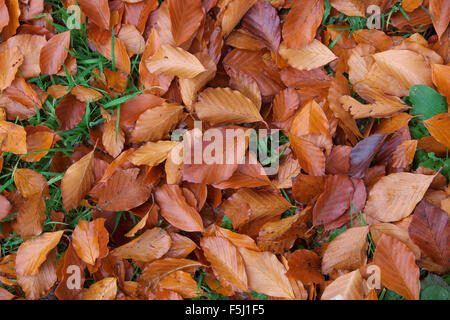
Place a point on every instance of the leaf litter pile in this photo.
(93, 204)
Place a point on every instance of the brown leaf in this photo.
(123, 191)
(70, 111)
(174, 61)
(403, 154)
(307, 16)
(90, 240)
(155, 123)
(392, 230)
(149, 246)
(32, 253)
(10, 59)
(176, 210)
(182, 283)
(437, 126)
(363, 154)
(54, 53)
(263, 23)
(309, 57)
(185, 17)
(346, 287)
(441, 78)
(429, 229)
(12, 138)
(223, 105)
(98, 11)
(30, 183)
(440, 10)
(350, 7)
(77, 181)
(347, 251)
(266, 274)
(226, 261)
(310, 157)
(304, 265)
(31, 216)
(394, 196)
(105, 289)
(398, 269)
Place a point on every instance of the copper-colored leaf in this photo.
(174, 61)
(334, 200)
(32, 253)
(266, 274)
(346, 287)
(223, 105)
(306, 16)
(304, 265)
(394, 196)
(12, 138)
(98, 11)
(438, 127)
(105, 289)
(347, 251)
(234, 12)
(176, 210)
(54, 53)
(226, 261)
(399, 272)
(185, 17)
(310, 157)
(30, 183)
(152, 153)
(10, 59)
(309, 57)
(89, 240)
(77, 181)
(149, 246)
(429, 229)
(440, 9)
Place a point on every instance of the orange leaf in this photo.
(90, 240)
(441, 78)
(98, 11)
(310, 157)
(304, 265)
(32, 253)
(12, 138)
(30, 183)
(346, 287)
(309, 57)
(233, 13)
(347, 251)
(54, 53)
(185, 17)
(438, 127)
(10, 59)
(440, 10)
(306, 16)
(266, 274)
(176, 210)
(77, 181)
(398, 269)
(226, 261)
(403, 154)
(149, 246)
(105, 289)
